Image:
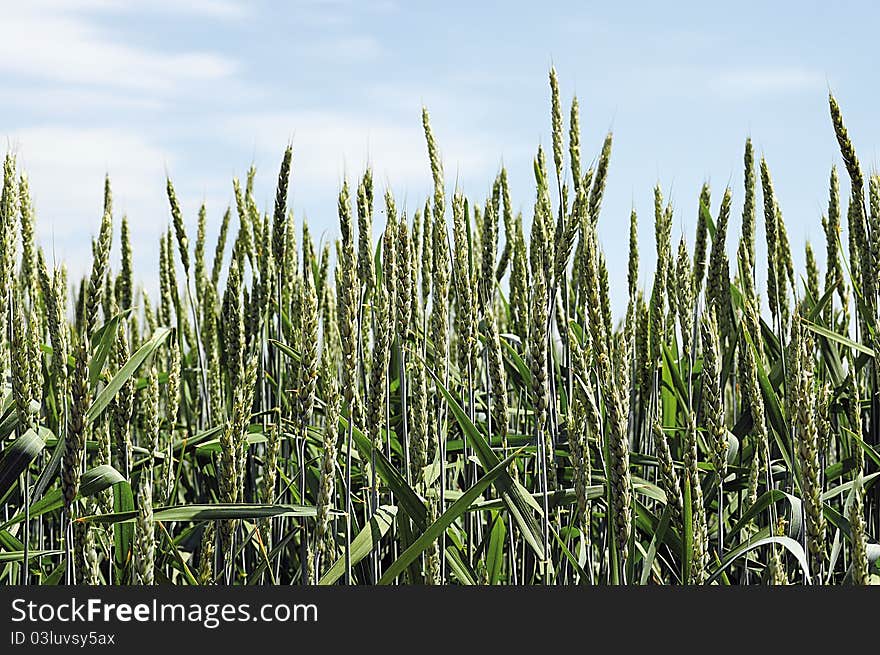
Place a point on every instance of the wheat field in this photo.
(451, 401)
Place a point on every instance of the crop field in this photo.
(444, 396)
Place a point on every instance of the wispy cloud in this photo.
(62, 43)
(329, 145)
(220, 9)
(760, 81)
(320, 15)
(66, 167)
(345, 47)
(56, 102)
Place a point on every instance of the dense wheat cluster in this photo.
(452, 403)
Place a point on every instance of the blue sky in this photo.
(203, 89)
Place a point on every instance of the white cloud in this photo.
(66, 168)
(49, 40)
(60, 101)
(220, 9)
(766, 80)
(206, 8)
(341, 48)
(330, 145)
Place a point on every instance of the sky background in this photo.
(203, 89)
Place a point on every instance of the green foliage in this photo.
(409, 413)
